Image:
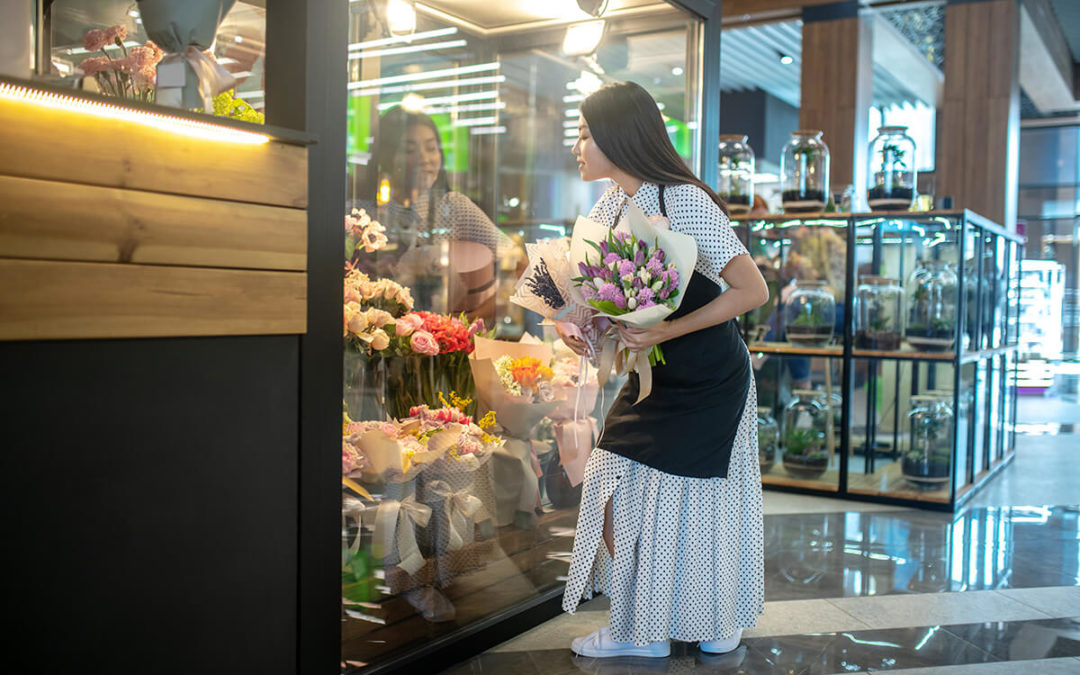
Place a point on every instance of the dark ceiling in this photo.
(1068, 14)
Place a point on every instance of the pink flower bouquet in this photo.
(132, 74)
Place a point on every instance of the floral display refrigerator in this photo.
(886, 358)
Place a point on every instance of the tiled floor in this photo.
(994, 590)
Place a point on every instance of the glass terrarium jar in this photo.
(892, 170)
(768, 438)
(878, 321)
(736, 177)
(806, 423)
(928, 460)
(932, 296)
(810, 314)
(804, 172)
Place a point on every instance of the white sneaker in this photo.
(721, 646)
(599, 644)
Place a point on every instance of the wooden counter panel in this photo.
(68, 221)
(64, 300)
(62, 145)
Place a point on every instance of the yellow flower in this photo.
(379, 340)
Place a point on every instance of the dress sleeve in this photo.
(603, 211)
(470, 223)
(691, 211)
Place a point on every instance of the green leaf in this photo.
(606, 306)
(595, 246)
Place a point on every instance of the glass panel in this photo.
(964, 425)
(921, 255)
(801, 395)
(995, 419)
(902, 429)
(791, 252)
(969, 287)
(980, 423)
(113, 61)
(1011, 401)
(459, 148)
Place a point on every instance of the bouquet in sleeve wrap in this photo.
(635, 274)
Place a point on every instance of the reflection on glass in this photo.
(458, 153)
(109, 47)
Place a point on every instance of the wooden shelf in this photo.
(790, 349)
(906, 352)
(889, 481)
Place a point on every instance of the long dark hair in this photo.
(627, 126)
(390, 140)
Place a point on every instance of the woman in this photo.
(674, 488)
(408, 192)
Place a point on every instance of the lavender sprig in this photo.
(544, 287)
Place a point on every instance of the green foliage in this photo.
(358, 582)
(812, 317)
(892, 155)
(805, 443)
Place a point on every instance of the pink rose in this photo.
(423, 342)
(94, 40)
(407, 324)
(115, 33)
(476, 327)
(356, 322)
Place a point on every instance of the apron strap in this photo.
(663, 207)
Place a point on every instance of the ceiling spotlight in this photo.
(401, 17)
(583, 38)
(413, 102)
(786, 60)
(677, 71)
(593, 7)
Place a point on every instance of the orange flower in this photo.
(528, 370)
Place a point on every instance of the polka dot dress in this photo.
(688, 551)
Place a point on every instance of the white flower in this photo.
(631, 303)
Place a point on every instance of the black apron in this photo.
(687, 425)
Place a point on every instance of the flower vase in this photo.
(410, 381)
(363, 390)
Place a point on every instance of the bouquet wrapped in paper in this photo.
(519, 400)
(635, 274)
(575, 428)
(393, 453)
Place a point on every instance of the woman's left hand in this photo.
(641, 339)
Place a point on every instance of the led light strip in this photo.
(402, 39)
(372, 53)
(475, 121)
(438, 100)
(472, 107)
(426, 86)
(169, 123)
(429, 75)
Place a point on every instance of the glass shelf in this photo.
(967, 361)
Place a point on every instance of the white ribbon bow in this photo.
(212, 76)
(460, 508)
(351, 506)
(394, 523)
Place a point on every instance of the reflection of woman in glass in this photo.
(439, 241)
(670, 526)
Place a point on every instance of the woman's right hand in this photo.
(575, 343)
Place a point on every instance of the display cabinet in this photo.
(913, 398)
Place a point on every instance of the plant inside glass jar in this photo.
(803, 453)
(879, 333)
(886, 191)
(804, 156)
(811, 327)
(735, 195)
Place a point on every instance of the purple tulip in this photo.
(639, 258)
(638, 283)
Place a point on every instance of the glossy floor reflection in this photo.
(863, 554)
(1027, 644)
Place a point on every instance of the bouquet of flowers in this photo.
(363, 232)
(434, 351)
(394, 452)
(584, 296)
(129, 76)
(526, 377)
(629, 275)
